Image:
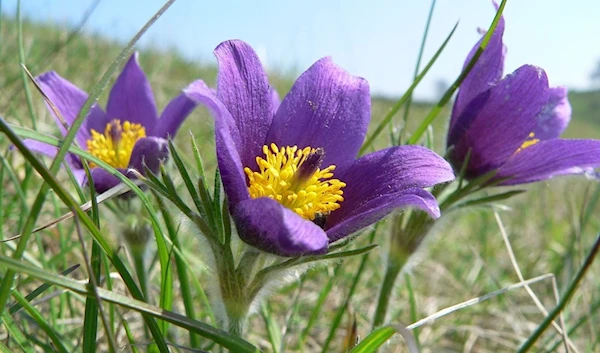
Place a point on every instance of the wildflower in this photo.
(128, 134)
(290, 173)
(512, 124)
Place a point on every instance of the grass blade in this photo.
(417, 65)
(377, 338)
(316, 312)
(388, 118)
(17, 335)
(38, 291)
(8, 280)
(41, 322)
(26, 89)
(528, 344)
(225, 339)
(51, 181)
(180, 267)
(340, 313)
(416, 136)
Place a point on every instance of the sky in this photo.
(377, 39)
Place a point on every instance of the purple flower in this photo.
(128, 134)
(290, 171)
(512, 124)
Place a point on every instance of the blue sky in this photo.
(377, 39)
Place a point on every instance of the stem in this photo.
(391, 273)
(403, 243)
(246, 265)
(235, 294)
(237, 324)
(236, 301)
(140, 269)
(137, 235)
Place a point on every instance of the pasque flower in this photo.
(128, 134)
(290, 171)
(512, 124)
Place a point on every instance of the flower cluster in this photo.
(128, 135)
(512, 125)
(290, 170)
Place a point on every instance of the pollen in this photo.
(529, 142)
(292, 177)
(115, 145)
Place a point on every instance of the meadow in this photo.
(550, 229)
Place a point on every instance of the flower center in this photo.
(292, 177)
(529, 142)
(116, 144)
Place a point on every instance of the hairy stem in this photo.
(404, 242)
(391, 273)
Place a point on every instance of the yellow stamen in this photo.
(307, 195)
(116, 144)
(529, 142)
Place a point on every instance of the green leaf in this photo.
(398, 139)
(218, 216)
(380, 336)
(489, 199)
(38, 291)
(16, 334)
(22, 60)
(273, 330)
(224, 338)
(5, 349)
(41, 322)
(356, 280)
(316, 311)
(180, 267)
(197, 157)
(90, 322)
(51, 181)
(186, 178)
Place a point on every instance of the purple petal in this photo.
(175, 113)
(80, 176)
(328, 108)
(486, 72)
(103, 180)
(131, 98)
(496, 129)
(227, 141)
(376, 180)
(462, 124)
(268, 226)
(69, 99)
(550, 158)
(71, 159)
(151, 151)
(555, 115)
(376, 209)
(41, 147)
(243, 88)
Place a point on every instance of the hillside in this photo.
(548, 230)
(82, 58)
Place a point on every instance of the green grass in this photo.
(551, 228)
